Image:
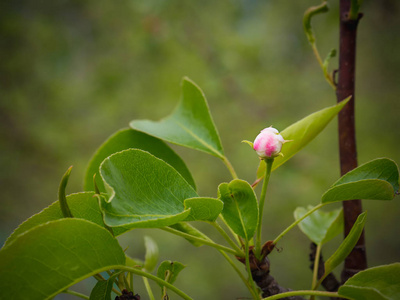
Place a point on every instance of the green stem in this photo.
(148, 288)
(327, 76)
(208, 242)
(297, 222)
(306, 293)
(230, 167)
(267, 175)
(76, 294)
(226, 237)
(315, 271)
(156, 279)
(250, 278)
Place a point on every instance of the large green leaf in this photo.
(347, 245)
(82, 205)
(129, 138)
(203, 209)
(382, 282)
(50, 257)
(320, 226)
(146, 191)
(189, 125)
(240, 207)
(303, 132)
(375, 180)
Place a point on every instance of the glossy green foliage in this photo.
(102, 290)
(189, 229)
(347, 245)
(240, 207)
(320, 226)
(375, 180)
(129, 138)
(152, 254)
(303, 132)
(147, 192)
(202, 208)
(169, 270)
(82, 205)
(50, 257)
(378, 283)
(189, 125)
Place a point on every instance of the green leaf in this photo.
(152, 254)
(82, 205)
(172, 267)
(203, 209)
(375, 180)
(382, 282)
(189, 229)
(189, 125)
(346, 246)
(51, 257)
(102, 290)
(312, 11)
(320, 226)
(129, 138)
(303, 132)
(147, 192)
(240, 207)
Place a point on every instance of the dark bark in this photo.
(356, 261)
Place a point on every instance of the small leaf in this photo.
(312, 11)
(173, 267)
(189, 229)
(129, 138)
(382, 282)
(189, 125)
(375, 180)
(203, 209)
(61, 195)
(49, 258)
(346, 246)
(147, 192)
(102, 290)
(152, 254)
(320, 226)
(82, 205)
(303, 132)
(240, 207)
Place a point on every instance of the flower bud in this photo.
(268, 144)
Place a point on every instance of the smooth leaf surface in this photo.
(102, 290)
(203, 209)
(152, 254)
(147, 192)
(240, 207)
(189, 125)
(50, 257)
(347, 245)
(303, 132)
(320, 226)
(382, 282)
(374, 180)
(172, 267)
(82, 205)
(129, 138)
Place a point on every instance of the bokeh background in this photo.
(74, 72)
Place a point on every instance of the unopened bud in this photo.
(268, 144)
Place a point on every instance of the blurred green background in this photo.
(74, 72)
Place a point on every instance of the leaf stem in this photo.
(226, 237)
(208, 242)
(306, 293)
(297, 222)
(267, 175)
(148, 288)
(76, 294)
(250, 278)
(316, 265)
(230, 167)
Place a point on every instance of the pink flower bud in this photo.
(268, 144)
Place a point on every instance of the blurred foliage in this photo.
(73, 72)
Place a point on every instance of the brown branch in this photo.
(356, 261)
